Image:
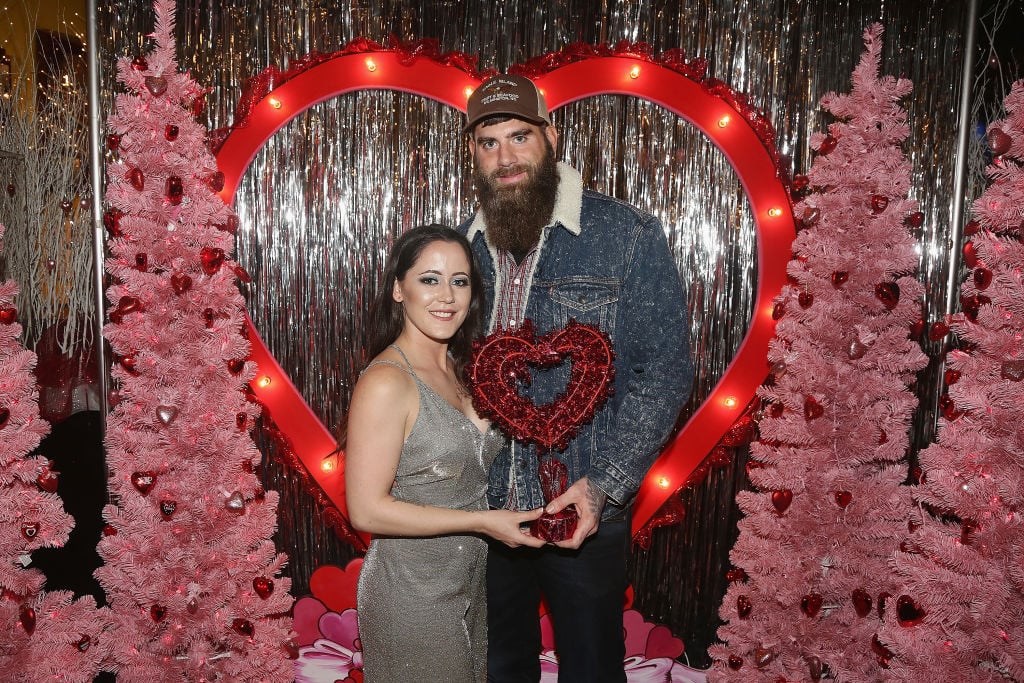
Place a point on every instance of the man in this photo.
(551, 252)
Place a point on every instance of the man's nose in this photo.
(506, 155)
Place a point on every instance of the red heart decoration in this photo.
(29, 530)
(861, 602)
(8, 315)
(47, 480)
(743, 606)
(212, 258)
(27, 617)
(143, 481)
(888, 293)
(839, 278)
(243, 627)
(937, 331)
(735, 662)
(574, 79)
(879, 203)
(827, 145)
(168, 508)
(171, 133)
(843, 498)
(157, 612)
(805, 299)
(336, 587)
(5, 415)
(263, 586)
(782, 499)
(998, 141)
(137, 178)
(156, 85)
(174, 189)
(503, 359)
(1012, 370)
(908, 612)
(812, 409)
(982, 278)
(810, 604)
(180, 283)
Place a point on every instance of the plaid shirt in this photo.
(510, 304)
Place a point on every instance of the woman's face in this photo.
(435, 291)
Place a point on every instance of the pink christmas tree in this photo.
(191, 572)
(48, 636)
(963, 565)
(829, 510)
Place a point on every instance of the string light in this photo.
(264, 382)
(775, 212)
(634, 72)
(274, 102)
(724, 121)
(730, 401)
(371, 65)
(664, 482)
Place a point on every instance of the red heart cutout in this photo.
(336, 587)
(503, 360)
(711, 107)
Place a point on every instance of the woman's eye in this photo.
(428, 280)
(460, 282)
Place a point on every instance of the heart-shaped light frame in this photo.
(706, 108)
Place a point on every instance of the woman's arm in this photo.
(383, 409)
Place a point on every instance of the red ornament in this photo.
(236, 365)
(734, 575)
(948, 408)
(951, 376)
(843, 498)
(112, 222)
(914, 220)
(243, 627)
(156, 85)
(888, 293)
(998, 141)
(861, 602)
(970, 255)
(812, 409)
(972, 305)
(242, 274)
(235, 503)
(781, 499)
(743, 606)
(212, 258)
(814, 667)
(8, 315)
(128, 363)
(209, 316)
(230, 226)
(137, 178)
(108, 530)
(168, 508)
(129, 304)
(882, 653)
(908, 612)
(171, 133)
(778, 310)
(879, 203)
(143, 481)
(882, 597)
(241, 419)
(157, 613)
(938, 330)
(198, 104)
(982, 278)
(805, 299)
(917, 329)
(811, 215)
(827, 145)
(263, 586)
(180, 283)
(47, 479)
(291, 650)
(810, 604)
(216, 181)
(735, 662)
(882, 437)
(560, 526)
(141, 262)
(763, 657)
(504, 358)
(856, 349)
(113, 142)
(972, 228)
(139, 63)
(166, 414)
(29, 530)
(83, 643)
(1012, 370)
(5, 415)
(800, 182)
(174, 190)
(27, 617)
(839, 278)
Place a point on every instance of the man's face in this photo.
(507, 154)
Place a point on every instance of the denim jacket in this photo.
(605, 263)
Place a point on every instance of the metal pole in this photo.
(96, 163)
(956, 228)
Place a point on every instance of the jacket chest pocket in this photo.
(586, 301)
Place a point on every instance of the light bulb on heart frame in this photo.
(592, 76)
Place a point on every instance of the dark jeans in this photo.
(584, 590)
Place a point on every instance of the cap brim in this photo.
(536, 120)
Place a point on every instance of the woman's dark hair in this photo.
(386, 317)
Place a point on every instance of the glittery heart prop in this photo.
(670, 81)
(554, 476)
(503, 360)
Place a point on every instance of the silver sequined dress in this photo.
(422, 601)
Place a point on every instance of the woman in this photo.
(416, 470)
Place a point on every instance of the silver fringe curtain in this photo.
(322, 200)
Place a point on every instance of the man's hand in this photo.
(589, 501)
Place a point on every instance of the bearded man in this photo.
(550, 252)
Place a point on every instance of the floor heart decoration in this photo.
(678, 85)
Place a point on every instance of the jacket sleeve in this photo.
(652, 349)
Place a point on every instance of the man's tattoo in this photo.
(595, 498)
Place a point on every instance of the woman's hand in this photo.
(511, 527)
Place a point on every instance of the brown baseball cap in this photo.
(506, 95)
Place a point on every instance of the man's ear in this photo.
(471, 144)
(552, 135)
(396, 292)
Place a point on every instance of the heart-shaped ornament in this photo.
(156, 85)
(504, 359)
(166, 414)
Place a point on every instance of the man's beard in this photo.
(517, 214)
